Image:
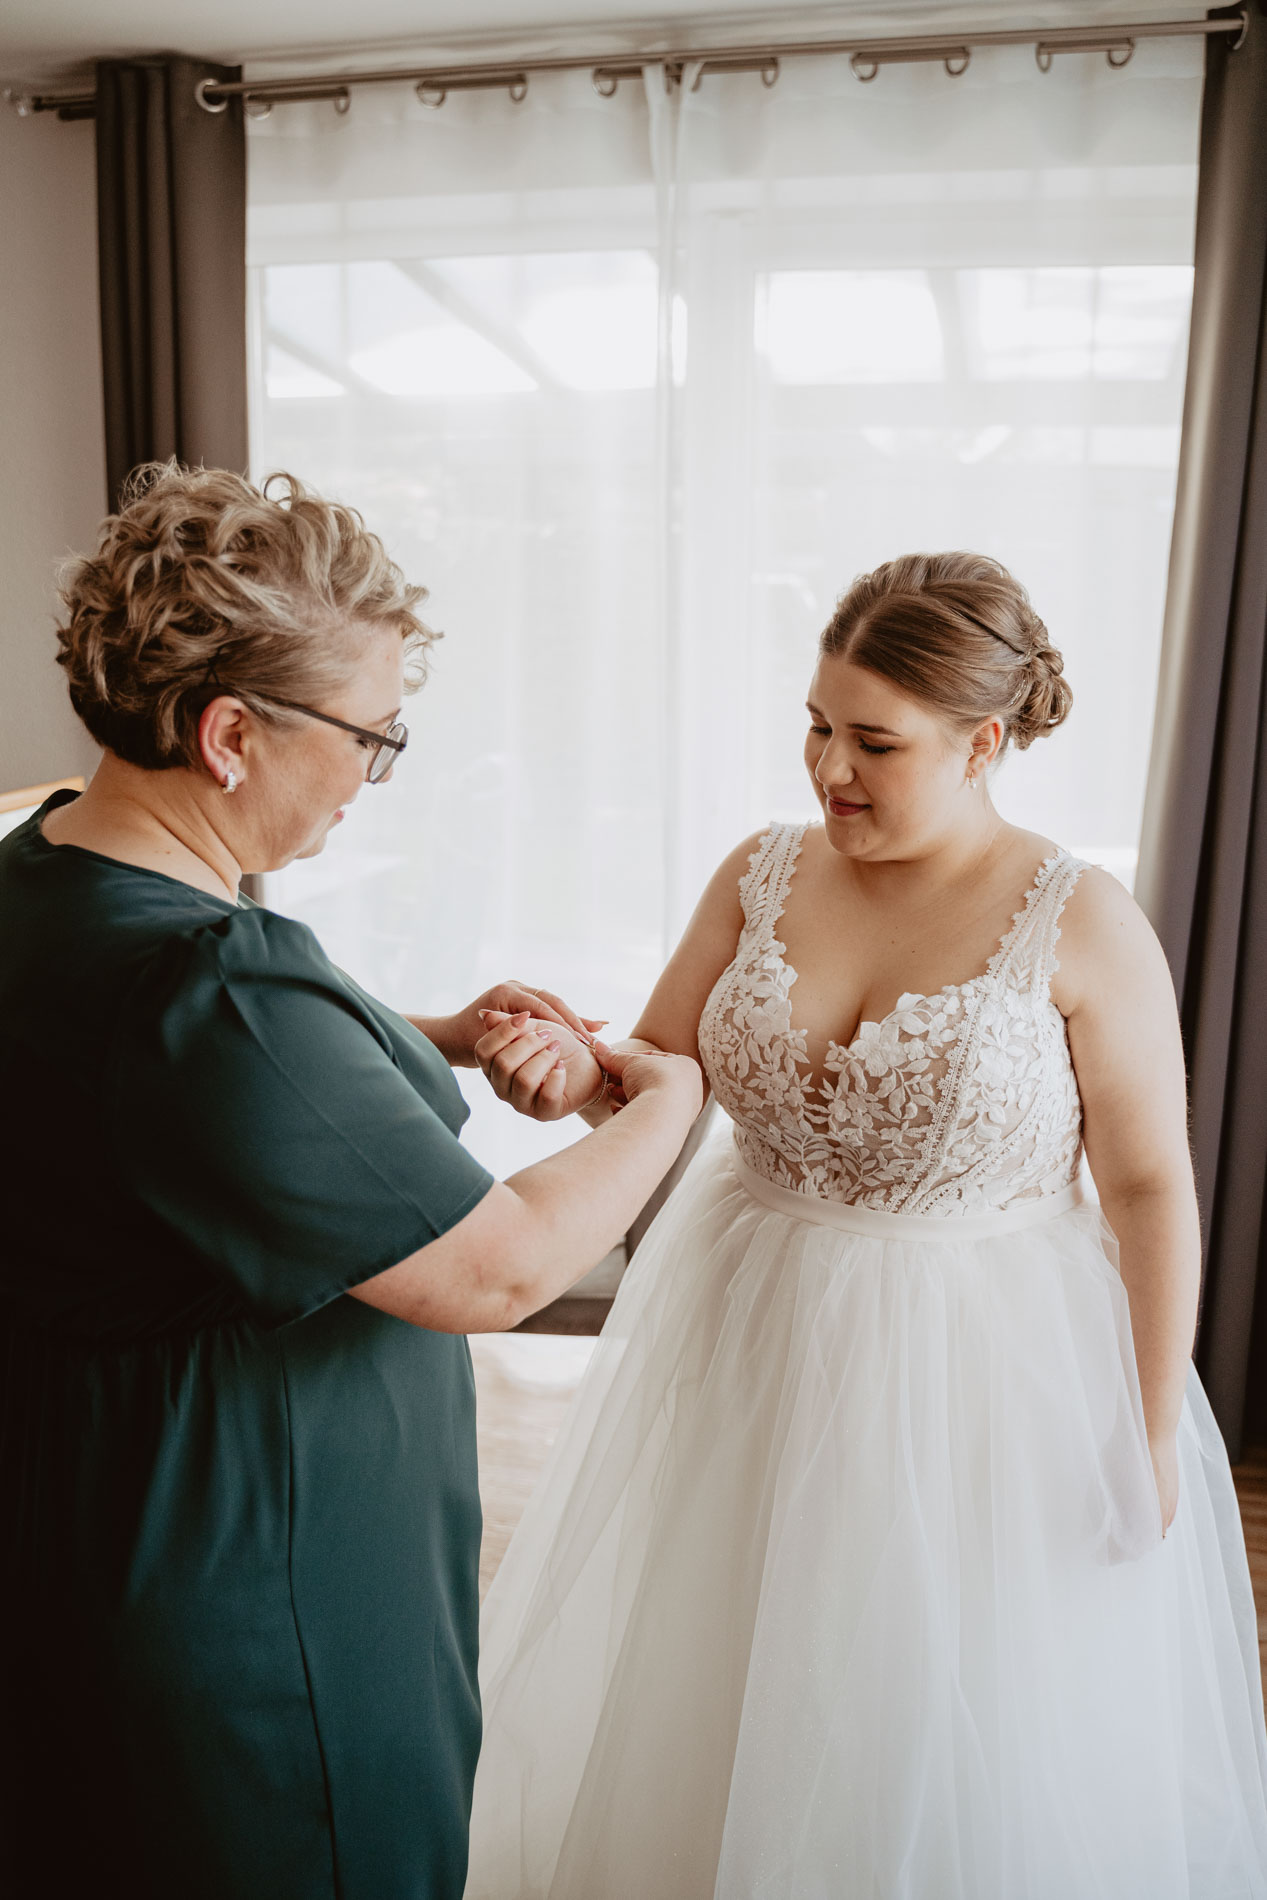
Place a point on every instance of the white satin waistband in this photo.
(883, 1226)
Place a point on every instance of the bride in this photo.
(890, 1551)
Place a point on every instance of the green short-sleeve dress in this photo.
(238, 1610)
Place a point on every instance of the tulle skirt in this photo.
(846, 1578)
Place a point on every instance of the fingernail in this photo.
(556, 1047)
(482, 1014)
(521, 1016)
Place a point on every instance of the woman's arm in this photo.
(1114, 988)
(669, 1023)
(532, 1237)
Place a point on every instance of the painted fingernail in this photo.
(556, 1047)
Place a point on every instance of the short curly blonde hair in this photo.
(202, 573)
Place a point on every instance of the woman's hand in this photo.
(654, 1072)
(456, 1036)
(542, 1068)
(1165, 1456)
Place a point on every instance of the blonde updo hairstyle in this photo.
(272, 590)
(957, 632)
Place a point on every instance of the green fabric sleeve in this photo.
(266, 1116)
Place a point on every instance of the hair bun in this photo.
(1048, 696)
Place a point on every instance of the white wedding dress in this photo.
(846, 1578)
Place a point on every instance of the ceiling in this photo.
(52, 41)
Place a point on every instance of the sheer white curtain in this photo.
(636, 385)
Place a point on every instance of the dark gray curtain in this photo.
(171, 223)
(1203, 871)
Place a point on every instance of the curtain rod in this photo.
(867, 56)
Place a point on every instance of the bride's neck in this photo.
(956, 858)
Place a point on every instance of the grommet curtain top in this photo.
(866, 57)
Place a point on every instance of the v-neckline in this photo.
(797, 1037)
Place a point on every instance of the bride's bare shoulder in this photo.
(720, 908)
(1099, 902)
(735, 866)
(1106, 942)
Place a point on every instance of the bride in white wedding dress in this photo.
(890, 1550)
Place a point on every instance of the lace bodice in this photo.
(960, 1102)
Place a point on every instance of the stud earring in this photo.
(231, 783)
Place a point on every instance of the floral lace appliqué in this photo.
(960, 1102)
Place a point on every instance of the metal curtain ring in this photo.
(958, 62)
(859, 63)
(1119, 56)
(518, 87)
(200, 94)
(342, 100)
(604, 83)
(256, 108)
(770, 73)
(1043, 55)
(429, 95)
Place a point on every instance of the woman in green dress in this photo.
(240, 1509)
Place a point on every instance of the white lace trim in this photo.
(958, 1100)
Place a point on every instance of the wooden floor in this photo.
(525, 1381)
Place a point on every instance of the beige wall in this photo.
(52, 455)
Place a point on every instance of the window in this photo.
(636, 386)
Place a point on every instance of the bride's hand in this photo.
(542, 1069)
(1165, 1456)
(469, 1025)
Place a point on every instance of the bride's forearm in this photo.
(1159, 1239)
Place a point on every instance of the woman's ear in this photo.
(221, 730)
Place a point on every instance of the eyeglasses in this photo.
(387, 745)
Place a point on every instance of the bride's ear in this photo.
(987, 742)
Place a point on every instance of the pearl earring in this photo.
(231, 783)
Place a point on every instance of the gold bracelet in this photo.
(596, 1098)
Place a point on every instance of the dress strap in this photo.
(1027, 955)
(763, 886)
